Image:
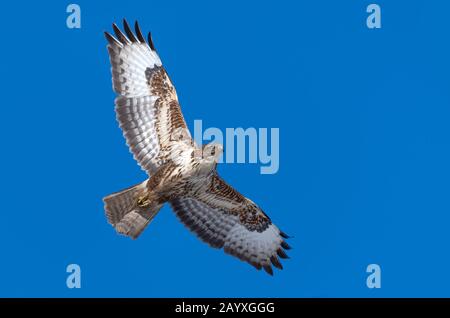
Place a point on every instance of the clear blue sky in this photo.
(364, 146)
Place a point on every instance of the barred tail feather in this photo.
(123, 212)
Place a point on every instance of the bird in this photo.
(180, 172)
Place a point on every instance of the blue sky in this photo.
(364, 146)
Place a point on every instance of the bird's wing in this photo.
(147, 105)
(223, 218)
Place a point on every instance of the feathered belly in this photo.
(178, 182)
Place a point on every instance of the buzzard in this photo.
(183, 174)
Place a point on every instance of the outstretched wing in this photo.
(147, 105)
(223, 218)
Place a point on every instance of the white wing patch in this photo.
(136, 117)
(256, 248)
(128, 66)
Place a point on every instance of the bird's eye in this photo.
(213, 151)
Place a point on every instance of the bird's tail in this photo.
(129, 212)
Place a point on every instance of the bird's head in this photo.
(208, 157)
(212, 152)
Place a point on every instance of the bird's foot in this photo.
(143, 201)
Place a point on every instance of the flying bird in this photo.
(181, 173)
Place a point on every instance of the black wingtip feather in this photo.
(256, 265)
(282, 254)
(285, 245)
(128, 31)
(276, 262)
(112, 40)
(150, 41)
(138, 32)
(120, 36)
(268, 269)
(284, 235)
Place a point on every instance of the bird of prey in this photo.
(181, 173)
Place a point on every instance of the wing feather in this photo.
(147, 107)
(223, 218)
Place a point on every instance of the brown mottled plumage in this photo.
(183, 174)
